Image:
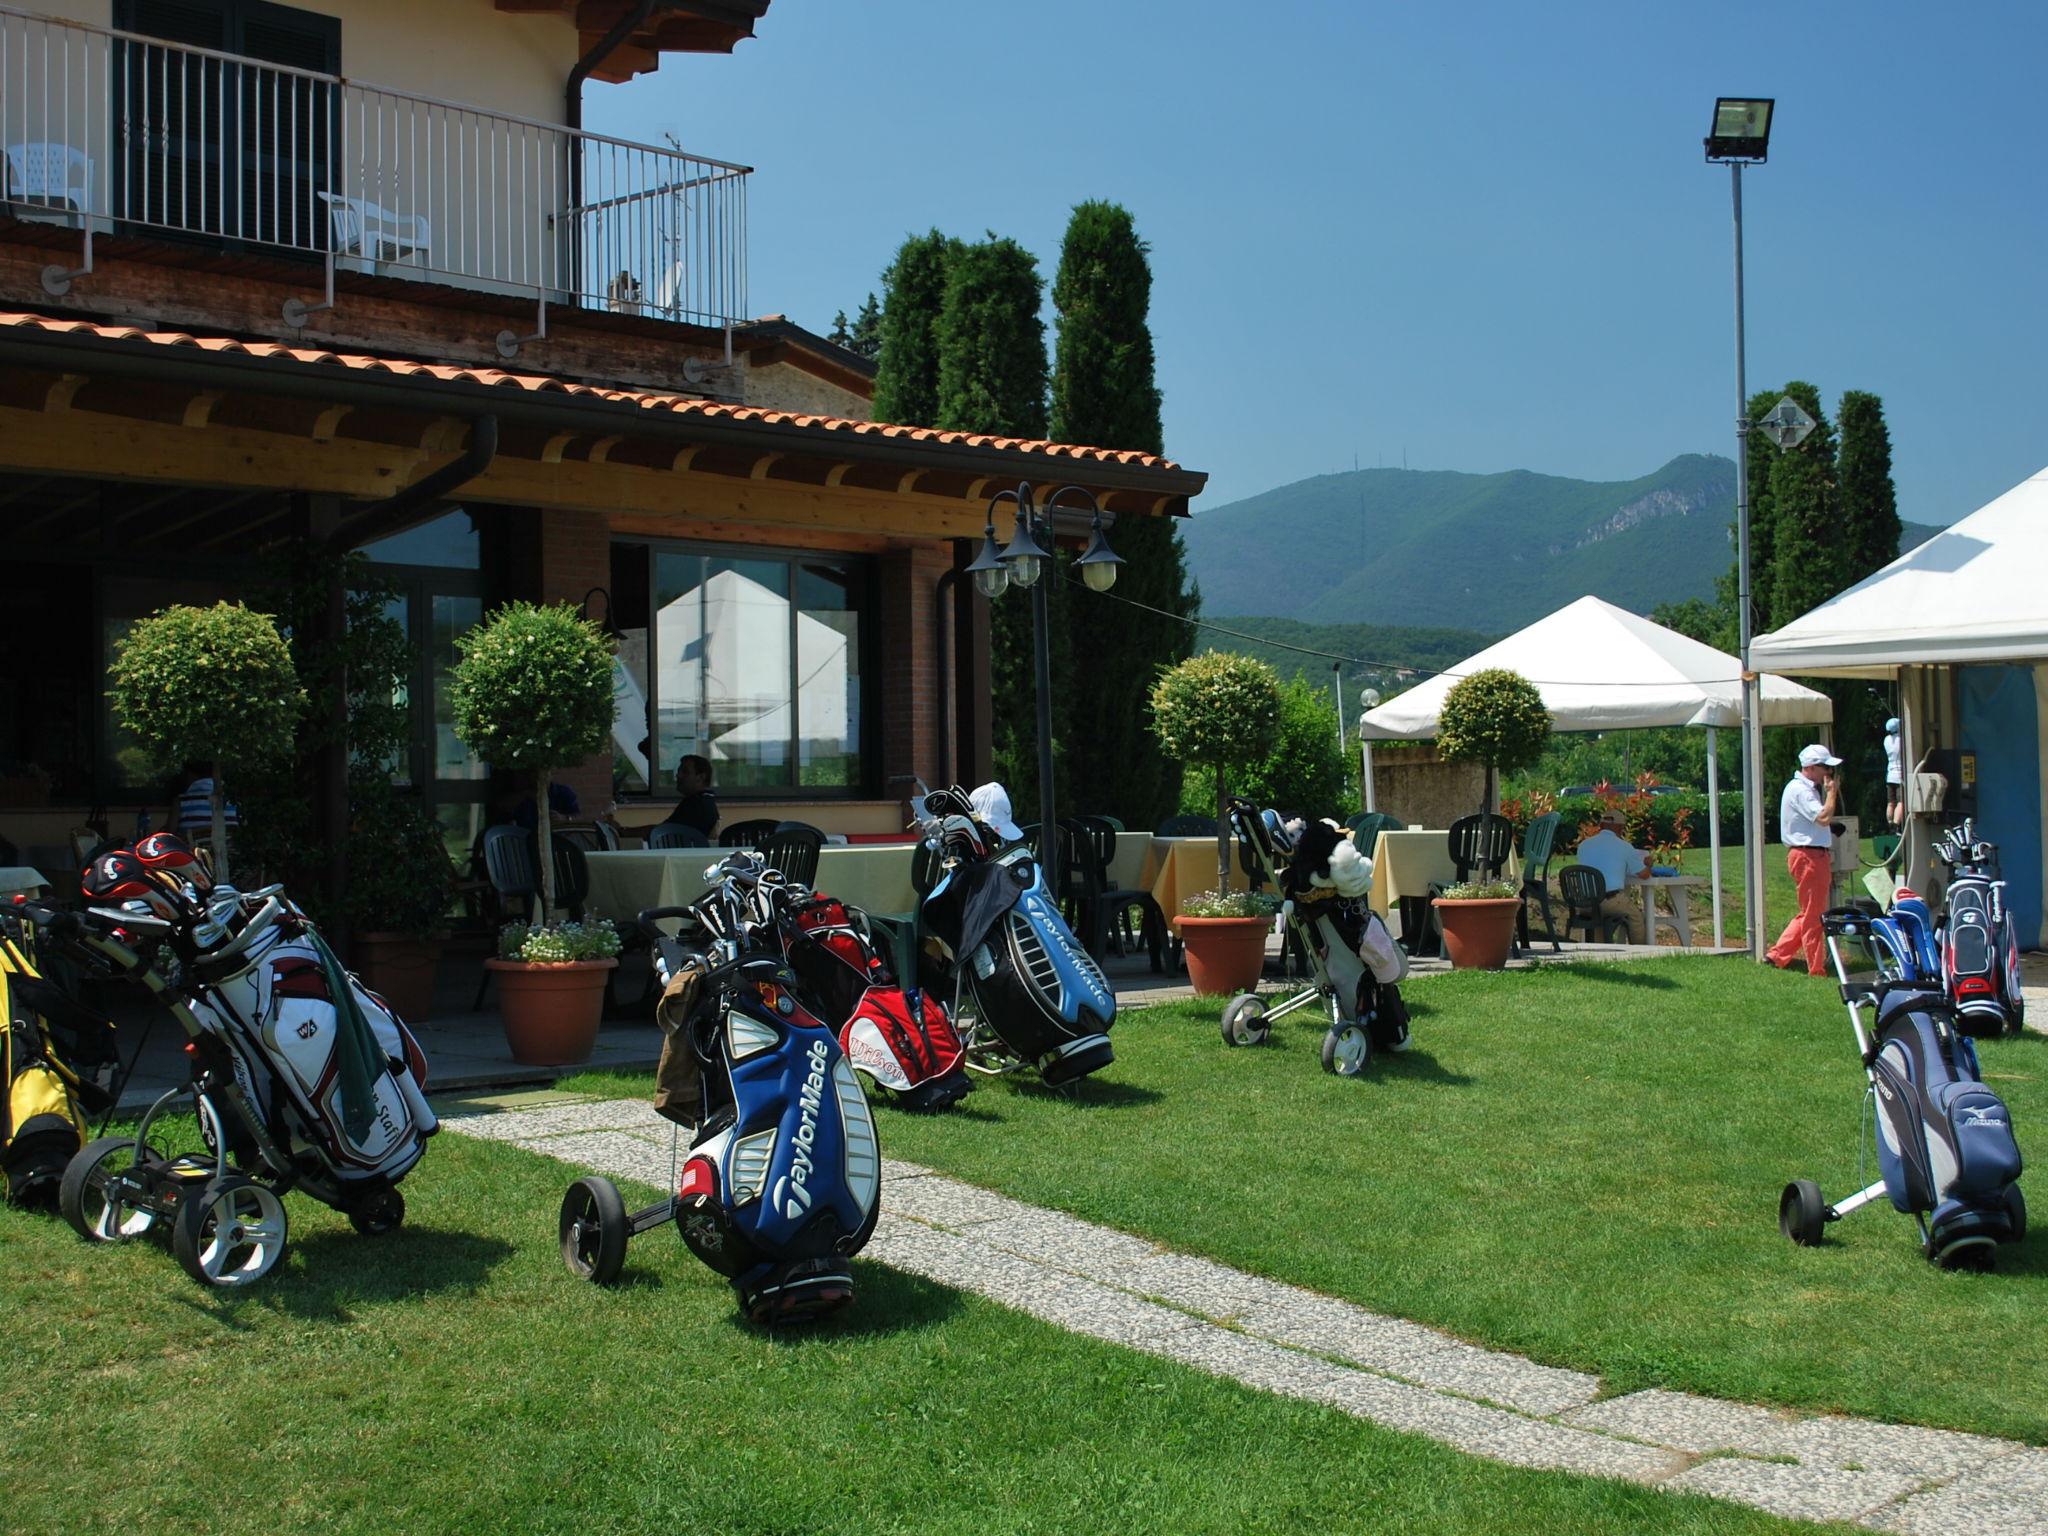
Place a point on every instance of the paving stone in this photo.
(1496, 1433)
(948, 1203)
(562, 1120)
(893, 1170)
(1084, 1306)
(619, 1154)
(1198, 1285)
(951, 1259)
(1077, 1246)
(1701, 1425)
(2004, 1497)
(1254, 1362)
(1799, 1493)
(1926, 1453)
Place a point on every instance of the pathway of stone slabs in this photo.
(1278, 1338)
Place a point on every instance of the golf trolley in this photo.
(1945, 1149)
(1353, 961)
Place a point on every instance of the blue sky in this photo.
(1480, 236)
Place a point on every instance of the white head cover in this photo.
(1350, 870)
(991, 803)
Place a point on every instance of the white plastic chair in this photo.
(54, 175)
(370, 230)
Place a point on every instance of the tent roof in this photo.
(1971, 593)
(1602, 668)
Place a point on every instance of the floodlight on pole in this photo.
(1742, 129)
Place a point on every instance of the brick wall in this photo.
(575, 554)
(1413, 783)
(908, 691)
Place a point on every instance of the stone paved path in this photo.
(1279, 1338)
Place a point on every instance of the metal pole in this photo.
(1752, 729)
(1714, 828)
(1365, 768)
(1041, 661)
(1337, 671)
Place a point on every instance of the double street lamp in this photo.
(1741, 135)
(1025, 564)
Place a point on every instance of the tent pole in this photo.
(1365, 767)
(1714, 827)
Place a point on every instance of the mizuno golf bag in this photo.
(49, 1047)
(1980, 961)
(1033, 986)
(898, 1036)
(781, 1184)
(1945, 1147)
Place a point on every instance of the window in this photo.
(749, 659)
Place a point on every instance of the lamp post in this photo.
(1025, 563)
(1371, 700)
(1741, 136)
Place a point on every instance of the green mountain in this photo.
(1292, 648)
(1478, 552)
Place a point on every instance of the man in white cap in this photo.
(1806, 812)
(991, 804)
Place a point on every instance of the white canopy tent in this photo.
(1602, 668)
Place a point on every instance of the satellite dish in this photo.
(1786, 424)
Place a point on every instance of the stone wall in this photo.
(785, 387)
(1418, 786)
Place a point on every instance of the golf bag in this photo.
(1035, 989)
(302, 1078)
(1979, 949)
(48, 1046)
(781, 1185)
(898, 1036)
(1945, 1147)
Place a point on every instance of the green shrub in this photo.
(1221, 711)
(399, 876)
(1483, 890)
(558, 943)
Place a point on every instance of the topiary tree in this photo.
(1495, 717)
(213, 685)
(533, 689)
(1219, 709)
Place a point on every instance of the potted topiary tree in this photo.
(533, 690)
(1219, 710)
(213, 685)
(1496, 718)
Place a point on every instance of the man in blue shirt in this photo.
(1619, 863)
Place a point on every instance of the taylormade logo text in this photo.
(793, 1191)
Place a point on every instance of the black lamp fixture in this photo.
(991, 577)
(1742, 129)
(1026, 558)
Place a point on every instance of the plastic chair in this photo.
(52, 175)
(1187, 826)
(1538, 842)
(794, 850)
(1109, 907)
(674, 834)
(1367, 826)
(1480, 842)
(1583, 888)
(748, 834)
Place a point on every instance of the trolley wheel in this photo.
(2016, 1210)
(1802, 1214)
(1244, 1021)
(1347, 1050)
(380, 1213)
(83, 1197)
(230, 1233)
(594, 1229)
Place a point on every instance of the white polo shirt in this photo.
(1799, 820)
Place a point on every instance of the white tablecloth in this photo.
(622, 884)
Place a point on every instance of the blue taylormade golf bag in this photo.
(781, 1184)
(1038, 996)
(1945, 1146)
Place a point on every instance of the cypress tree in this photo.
(1870, 504)
(866, 335)
(1763, 453)
(1104, 395)
(991, 378)
(1806, 555)
(907, 363)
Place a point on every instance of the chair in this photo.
(376, 233)
(512, 865)
(748, 834)
(794, 850)
(1538, 842)
(674, 834)
(802, 826)
(1481, 842)
(86, 843)
(1367, 827)
(1187, 826)
(590, 836)
(1108, 908)
(1115, 824)
(53, 175)
(1584, 888)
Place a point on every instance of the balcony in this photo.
(116, 133)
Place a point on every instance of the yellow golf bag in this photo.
(42, 1116)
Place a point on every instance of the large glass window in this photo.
(750, 660)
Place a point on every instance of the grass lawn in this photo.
(1580, 1164)
(1780, 899)
(451, 1377)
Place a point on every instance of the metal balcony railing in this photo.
(114, 131)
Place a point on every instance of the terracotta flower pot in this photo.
(551, 1012)
(1478, 934)
(399, 968)
(1225, 954)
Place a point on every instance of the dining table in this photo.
(625, 882)
(1681, 888)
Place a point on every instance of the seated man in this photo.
(1619, 863)
(698, 807)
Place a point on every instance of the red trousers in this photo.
(1811, 870)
